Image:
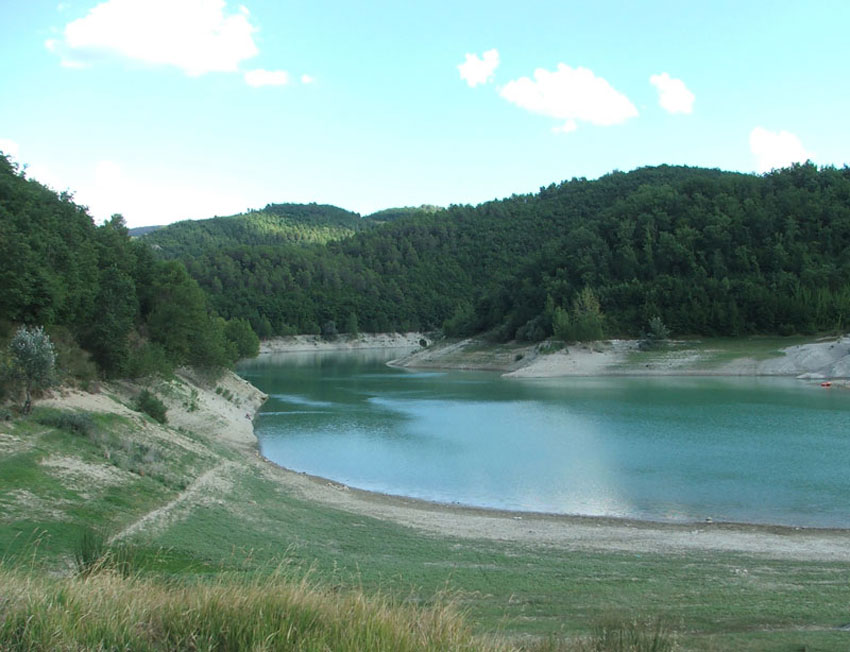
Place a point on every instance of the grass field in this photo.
(229, 517)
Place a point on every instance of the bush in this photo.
(33, 362)
(149, 359)
(152, 406)
(71, 359)
(79, 423)
(656, 335)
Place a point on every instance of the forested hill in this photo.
(109, 305)
(391, 214)
(273, 225)
(708, 252)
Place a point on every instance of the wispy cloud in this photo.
(776, 149)
(479, 70)
(572, 95)
(673, 95)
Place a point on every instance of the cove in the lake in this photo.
(757, 450)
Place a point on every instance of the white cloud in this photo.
(477, 70)
(673, 95)
(9, 147)
(196, 36)
(776, 149)
(570, 94)
(260, 77)
(307, 79)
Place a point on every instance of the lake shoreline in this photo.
(825, 359)
(568, 531)
(574, 531)
(344, 342)
(228, 420)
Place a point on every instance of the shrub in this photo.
(152, 406)
(80, 423)
(71, 359)
(33, 362)
(149, 359)
(656, 335)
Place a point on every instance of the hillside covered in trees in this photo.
(276, 224)
(708, 252)
(104, 297)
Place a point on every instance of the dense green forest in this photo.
(110, 304)
(708, 252)
(276, 224)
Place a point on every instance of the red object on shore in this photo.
(826, 383)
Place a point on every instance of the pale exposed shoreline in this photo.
(826, 359)
(302, 343)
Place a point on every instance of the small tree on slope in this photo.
(33, 361)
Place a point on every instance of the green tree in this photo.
(351, 324)
(33, 361)
(243, 337)
(107, 337)
(562, 325)
(587, 316)
(329, 331)
(179, 320)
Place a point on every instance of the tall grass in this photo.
(108, 611)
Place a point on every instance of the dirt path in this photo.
(208, 488)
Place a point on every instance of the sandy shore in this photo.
(820, 360)
(575, 532)
(300, 343)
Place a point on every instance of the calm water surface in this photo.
(754, 450)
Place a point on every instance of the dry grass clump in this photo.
(108, 611)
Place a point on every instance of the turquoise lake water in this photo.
(754, 450)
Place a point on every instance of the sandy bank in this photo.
(823, 359)
(575, 532)
(222, 409)
(298, 343)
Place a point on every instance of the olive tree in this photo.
(33, 361)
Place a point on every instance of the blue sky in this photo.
(172, 109)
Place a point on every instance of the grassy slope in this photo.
(245, 521)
